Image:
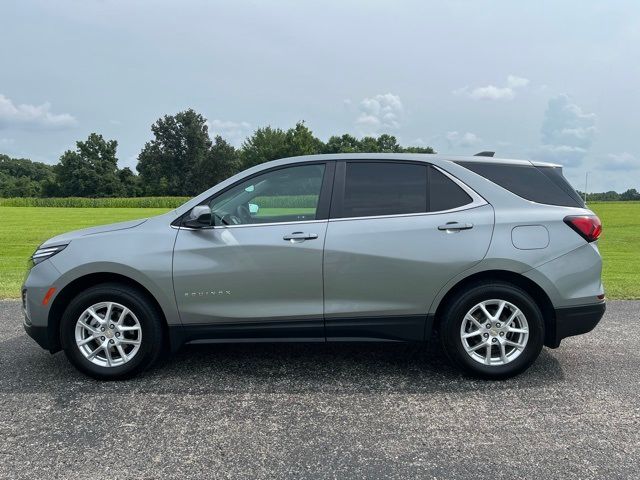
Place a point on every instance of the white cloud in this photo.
(382, 112)
(563, 154)
(32, 117)
(492, 92)
(234, 132)
(567, 132)
(517, 82)
(620, 161)
(463, 140)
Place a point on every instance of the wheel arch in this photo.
(73, 288)
(532, 288)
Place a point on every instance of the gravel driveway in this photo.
(318, 411)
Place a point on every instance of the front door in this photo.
(257, 271)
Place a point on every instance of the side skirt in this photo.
(410, 328)
(407, 328)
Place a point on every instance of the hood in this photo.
(67, 237)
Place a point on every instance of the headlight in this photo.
(42, 253)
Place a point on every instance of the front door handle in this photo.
(300, 236)
(455, 226)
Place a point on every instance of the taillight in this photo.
(588, 227)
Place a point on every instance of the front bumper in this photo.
(39, 334)
(572, 321)
(36, 313)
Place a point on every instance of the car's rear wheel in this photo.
(492, 330)
(111, 331)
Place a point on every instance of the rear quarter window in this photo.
(544, 185)
(444, 193)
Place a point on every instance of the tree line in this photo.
(180, 160)
(611, 196)
(183, 160)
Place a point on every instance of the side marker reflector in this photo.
(48, 296)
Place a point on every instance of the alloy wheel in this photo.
(108, 334)
(494, 332)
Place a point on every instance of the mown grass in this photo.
(22, 229)
(620, 247)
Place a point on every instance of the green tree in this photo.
(167, 163)
(382, 144)
(273, 143)
(387, 144)
(265, 144)
(343, 144)
(631, 194)
(89, 171)
(417, 150)
(130, 182)
(221, 163)
(20, 177)
(301, 141)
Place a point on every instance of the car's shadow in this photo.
(265, 368)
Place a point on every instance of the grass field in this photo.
(22, 229)
(620, 248)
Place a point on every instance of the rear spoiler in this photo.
(485, 154)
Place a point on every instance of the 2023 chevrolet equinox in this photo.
(496, 257)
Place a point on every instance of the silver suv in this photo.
(496, 257)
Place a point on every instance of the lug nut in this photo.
(112, 341)
(102, 329)
(118, 334)
(502, 334)
(486, 335)
(102, 338)
(488, 325)
(494, 340)
(497, 325)
(112, 326)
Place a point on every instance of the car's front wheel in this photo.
(493, 330)
(111, 331)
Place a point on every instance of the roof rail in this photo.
(485, 154)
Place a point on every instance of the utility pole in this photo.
(586, 181)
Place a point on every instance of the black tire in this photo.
(464, 301)
(146, 313)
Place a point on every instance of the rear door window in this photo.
(384, 188)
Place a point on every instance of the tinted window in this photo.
(284, 195)
(375, 188)
(555, 175)
(444, 194)
(529, 182)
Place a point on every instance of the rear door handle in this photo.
(300, 236)
(455, 226)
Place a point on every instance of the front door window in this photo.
(283, 195)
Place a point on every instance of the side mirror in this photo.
(199, 216)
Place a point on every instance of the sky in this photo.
(546, 80)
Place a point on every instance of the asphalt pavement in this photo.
(325, 411)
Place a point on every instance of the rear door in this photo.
(398, 232)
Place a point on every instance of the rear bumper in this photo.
(572, 321)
